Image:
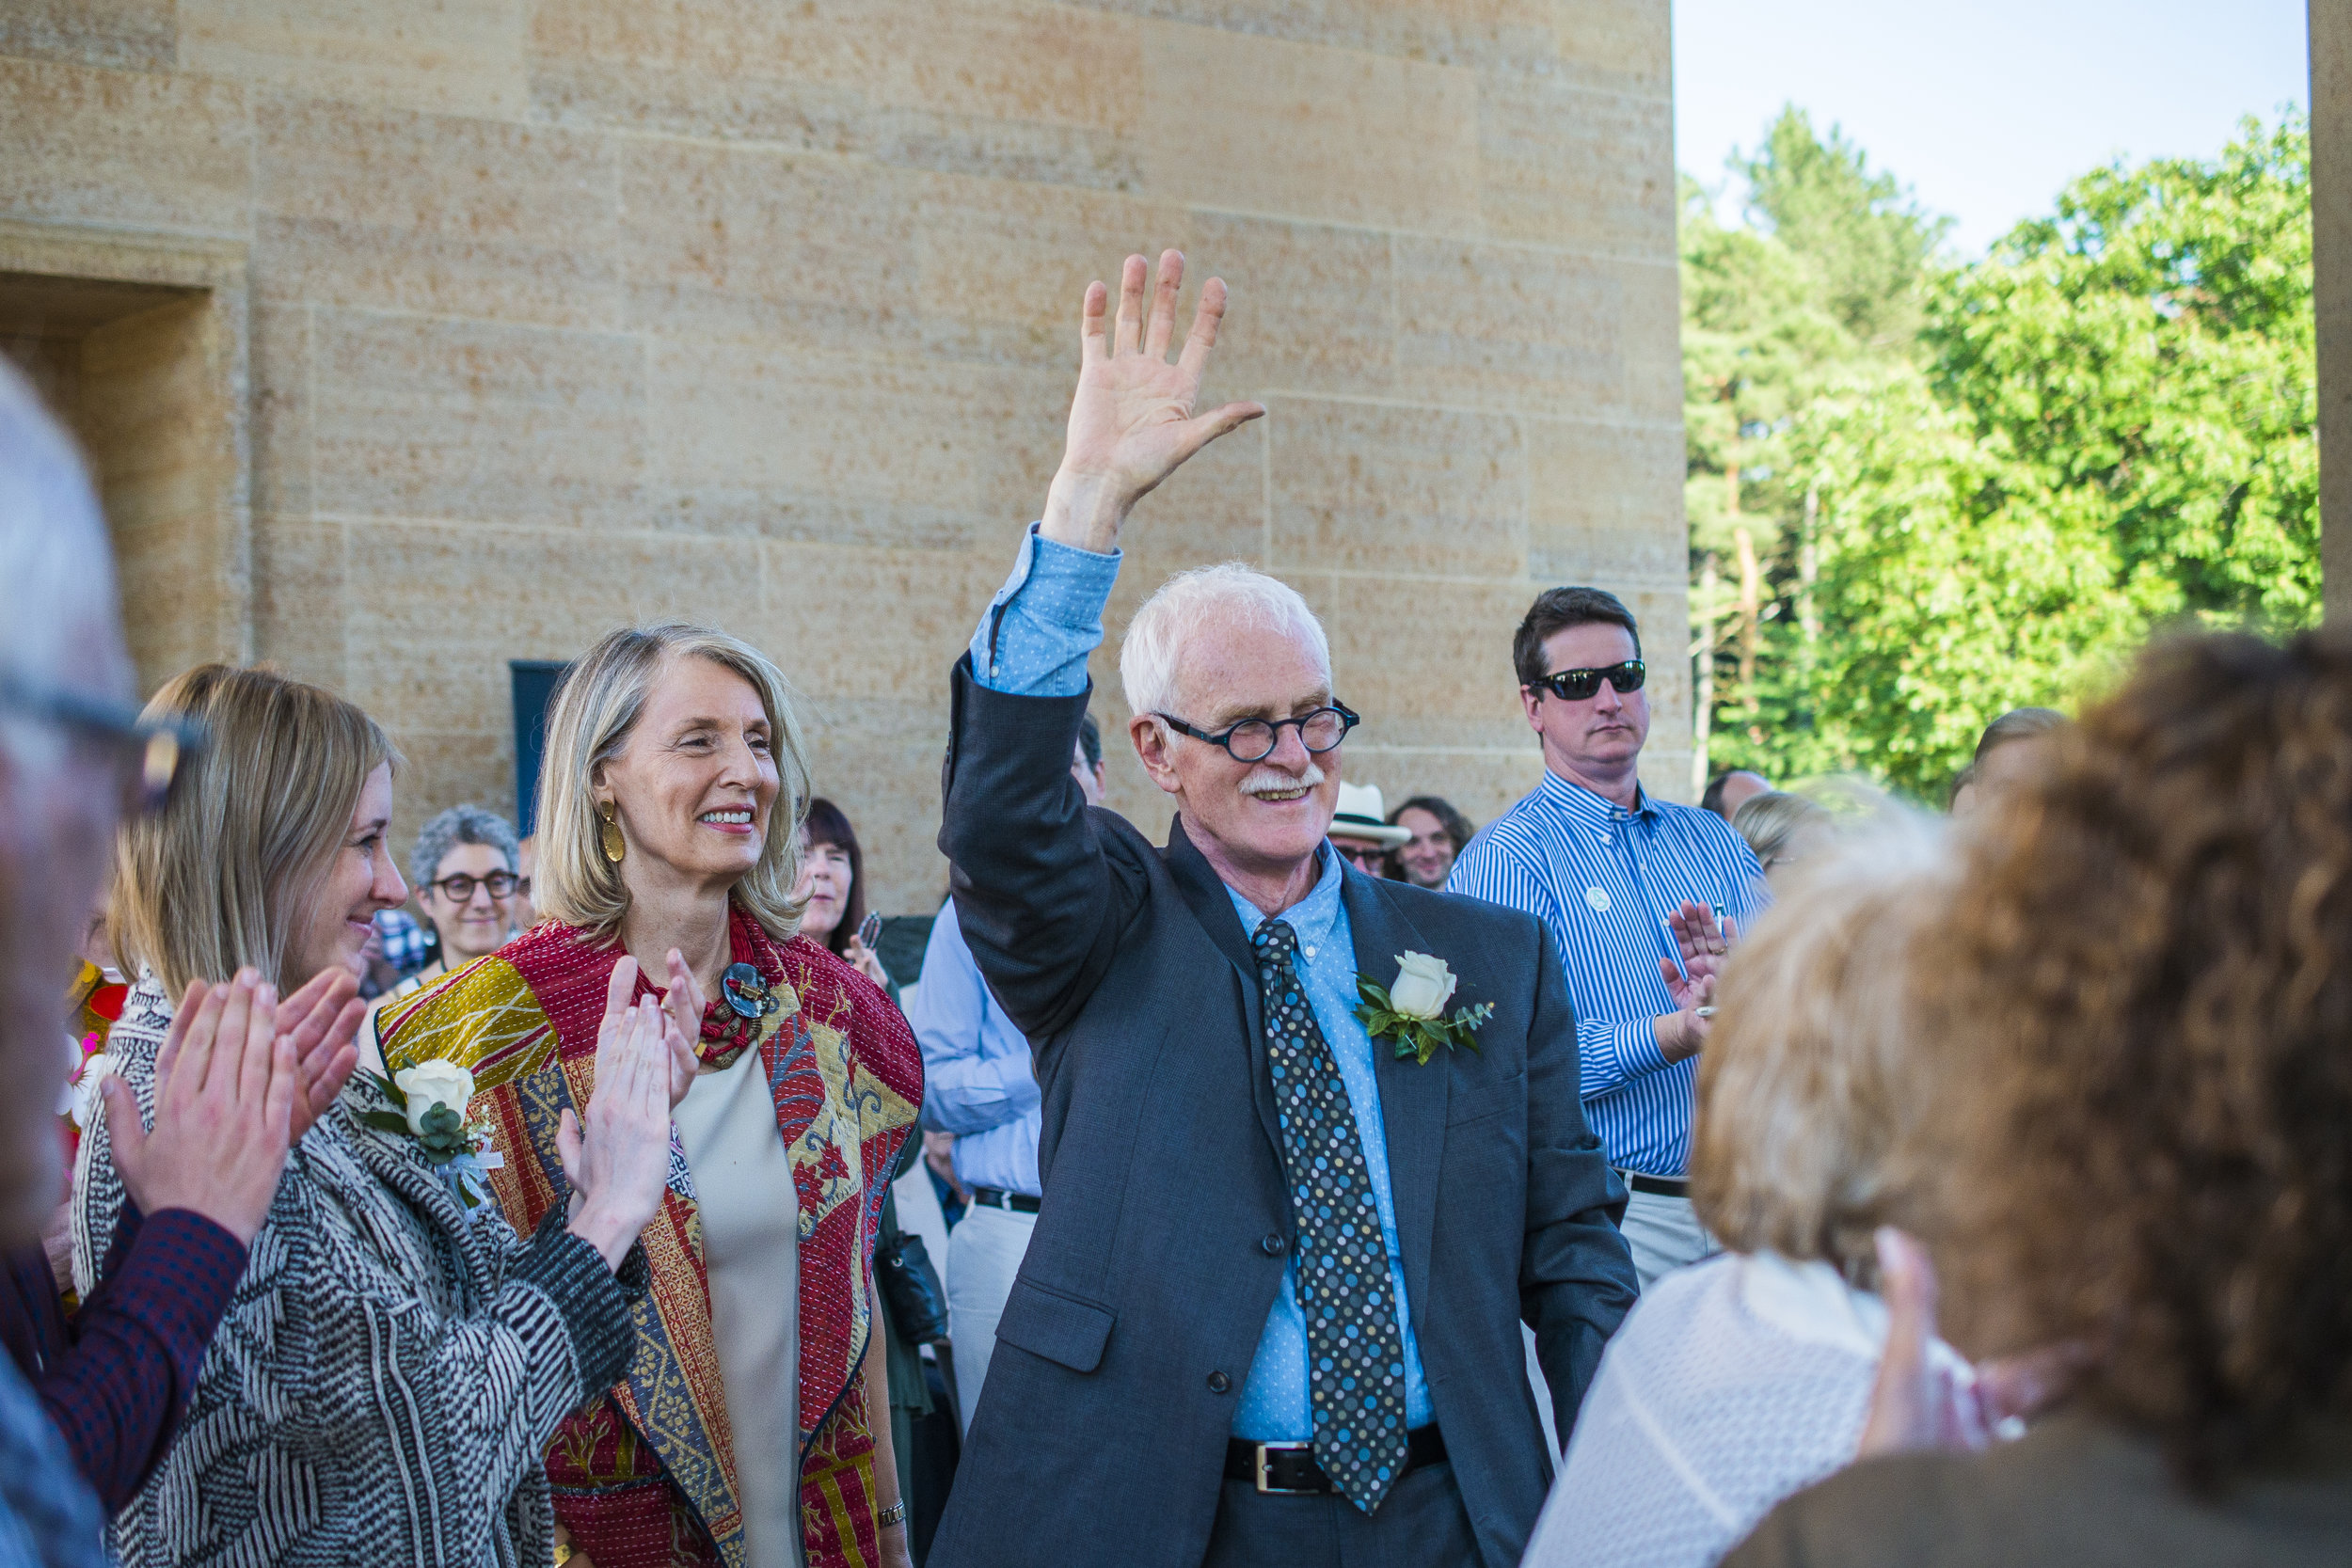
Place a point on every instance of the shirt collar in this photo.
(1582, 806)
(1312, 916)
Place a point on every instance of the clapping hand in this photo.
(322, 1020)
(1919, 1401)
(226, 1088)
(617, 1165)
(1132, 422)
(682, 1006)
(1690, 983)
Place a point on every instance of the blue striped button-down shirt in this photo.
(1604, 878)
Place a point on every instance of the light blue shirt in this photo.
(977, 1081)
(1275, 1406)
(1603, 880)
(1033, 641)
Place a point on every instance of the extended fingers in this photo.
(1092, 344)
(1128, 338)
(1206, 318)
(182, 1019)
(567, 1147)
(1161, 326)
(257, 1062)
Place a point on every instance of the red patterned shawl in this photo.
(647, 1476)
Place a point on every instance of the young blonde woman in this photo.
(752, 1426)
(394, 1361)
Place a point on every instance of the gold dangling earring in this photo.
(610, 834)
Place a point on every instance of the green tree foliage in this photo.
(2105, 426)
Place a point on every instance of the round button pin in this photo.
(1597, 898)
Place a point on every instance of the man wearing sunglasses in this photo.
(1269, 1314)
(1643, 897)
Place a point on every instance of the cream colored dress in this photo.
(750, 1224)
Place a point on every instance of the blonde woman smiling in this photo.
(752, 1426)
(393, 1363)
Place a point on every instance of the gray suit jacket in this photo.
(1101, 1435)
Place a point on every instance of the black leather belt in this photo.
(1289, 1469)
(1656, 1186)
(996, 1197)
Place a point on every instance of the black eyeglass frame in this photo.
(165, 746)
(1558, 682)
(513, 884)
(1349, 719)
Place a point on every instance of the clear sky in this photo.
(1985, 107)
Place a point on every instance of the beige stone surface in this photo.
(457, 56)
(491, 325)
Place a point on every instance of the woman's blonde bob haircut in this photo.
(223, 877)
(595, 709)
(1807, 1083)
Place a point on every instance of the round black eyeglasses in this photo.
(1254, 739)
(1574, 686)
(460, 889)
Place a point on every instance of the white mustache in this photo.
(1271, 781)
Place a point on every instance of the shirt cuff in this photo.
(1635, 1047)
(593, 1302)
(177, 1276)
(1035, 636)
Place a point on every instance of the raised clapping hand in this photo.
(1919, 1401)
(1132, 422)
(226, 1088)
(1691, 984)
(684, 1005)
(617, 1165)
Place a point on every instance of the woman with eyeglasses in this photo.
(394, 1357)
(465, 867)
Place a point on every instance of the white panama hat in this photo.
(1363, 816)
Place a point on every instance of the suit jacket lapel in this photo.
(1412, 1096)
(1213, 906)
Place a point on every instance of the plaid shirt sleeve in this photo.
(118, 1392)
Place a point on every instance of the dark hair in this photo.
(2018, 723)
(2178, 1075)
(827, 825)
(1457, 827)
(1090, 740)
(1713, 800)
(1557, 609)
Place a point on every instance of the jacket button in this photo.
(1219, 1383)
(1271, 1246)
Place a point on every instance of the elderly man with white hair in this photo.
(1312, 1142)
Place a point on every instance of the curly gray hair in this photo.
(467, 824)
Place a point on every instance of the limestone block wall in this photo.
(552, 315)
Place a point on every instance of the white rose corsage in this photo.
(1411, 1011)
(432, 1098)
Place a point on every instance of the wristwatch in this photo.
(894, 1515)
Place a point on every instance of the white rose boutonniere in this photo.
(432, 1098)
(1411, 1011)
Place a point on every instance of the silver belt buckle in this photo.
(1269, 1489)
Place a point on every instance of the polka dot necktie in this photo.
(1355, 1350)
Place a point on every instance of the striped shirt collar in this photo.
(1590, 810)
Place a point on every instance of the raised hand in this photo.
(322, 1019)
(1132, 422)
(1704, 944)
(225, 1083)
(1920, 1400)
(617, 1164)
(683, 1004)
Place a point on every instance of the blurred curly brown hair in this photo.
(2142, 1009)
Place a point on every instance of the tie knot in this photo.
(1275, 936)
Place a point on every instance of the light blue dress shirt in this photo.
(1603, 880)
(1034, 640)
(978, 1080)
(1275, 1407)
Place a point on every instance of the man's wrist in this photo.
(1085, 513)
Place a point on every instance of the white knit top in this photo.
(1733, 1383)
